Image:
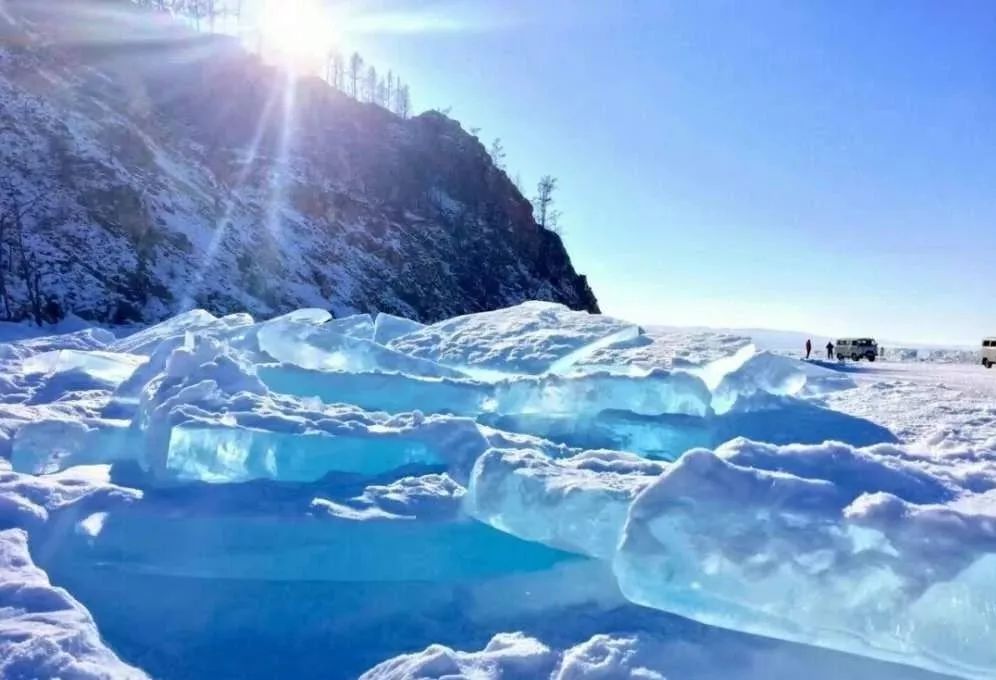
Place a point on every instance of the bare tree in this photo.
(382, 93)
(370, 85)
(194, 9)
(389, 91)
(6, 258)
(237, 12)
(211, 10)
(16, 258)
(547, 217)
(337, 71)
(404, 102)
(497, 153)
(355, 68)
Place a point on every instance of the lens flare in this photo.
(298, 33)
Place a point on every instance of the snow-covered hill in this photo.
(159, 170)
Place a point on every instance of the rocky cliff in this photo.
(147, 169)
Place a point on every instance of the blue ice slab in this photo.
(47, 446)
(107, 367)
(764, 374)
(831, 559)
(656, 392)
(783, 420)
(222, 453)
(577, 396)
(388, 327)
(577, 504)
(328, 347)
(356, 326)
(380, 391)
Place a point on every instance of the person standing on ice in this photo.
(830, 349)
(809, 347)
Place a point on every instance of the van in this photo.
(856, 349)
(989, 352)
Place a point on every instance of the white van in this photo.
(989, 352)
(856, 349)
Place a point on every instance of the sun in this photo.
(298, 33)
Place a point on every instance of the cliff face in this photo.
(154, 169)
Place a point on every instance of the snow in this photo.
(633, 654)
(506, 655)
(335, 347)
(664, 347)
(531, 492)
(108, 367)
(197, 320)
(44, 632)
(532, 338)
(767, 373)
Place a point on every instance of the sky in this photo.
(826, 166)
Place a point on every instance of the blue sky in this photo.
(822, 166)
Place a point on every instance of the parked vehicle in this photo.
(856, 349)
(989, 352)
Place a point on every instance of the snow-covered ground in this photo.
(791, 343)
(528, 493)
(936, 407)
